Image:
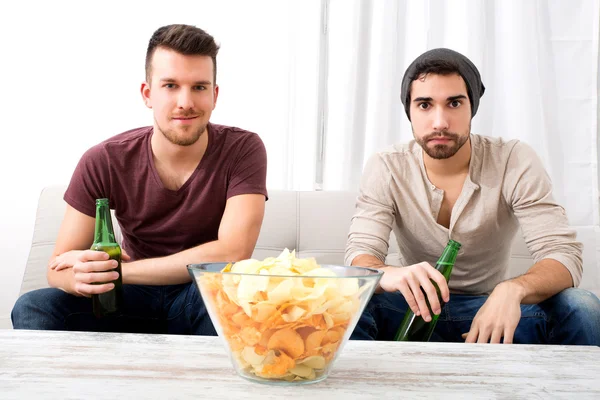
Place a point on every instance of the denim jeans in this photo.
(176, 309)
(570, 317)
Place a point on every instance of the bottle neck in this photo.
(104, 230)
(448, 256)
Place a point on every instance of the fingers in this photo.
(417, 283)
(509, 332)
(60, 263)
(440, 280)
(431, 293)
(497, 335)
(124, 255)
(88, 289)
(419, 297)
(93, 255)
(95, 266)
(54, 262)
(70, 258)
(480, 332)
(472, 334)
(430, 278)
(408, 296)
(484, 335)
(61, 266)
(97, 277)
(93, 273)
(89, 283)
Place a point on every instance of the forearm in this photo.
(171, 270)
(543, 280)
(367, 260)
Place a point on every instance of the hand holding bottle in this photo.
(414, 282)
(90, 272)
(415, 327)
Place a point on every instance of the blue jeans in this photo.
(176, 309)
(570, 317)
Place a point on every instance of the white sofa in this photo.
(315, 224)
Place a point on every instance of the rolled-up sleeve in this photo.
(544, 222)
(374, 215)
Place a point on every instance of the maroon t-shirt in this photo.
(157, 221)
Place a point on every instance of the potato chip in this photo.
(278, 367)
(249, 355)
(293, 314)
(315, 362)
(302, 371)
(313, 341)
(287, 341)
(281, 293)
(264, 311)
(250, 335)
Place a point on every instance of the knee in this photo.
(22, 308)
(579, 303)
(32, 310)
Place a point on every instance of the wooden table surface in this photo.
(69, 365)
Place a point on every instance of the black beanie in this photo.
(466, 69)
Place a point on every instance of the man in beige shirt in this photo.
(451, 184)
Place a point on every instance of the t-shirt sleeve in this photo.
(249, 171)
(90, 181)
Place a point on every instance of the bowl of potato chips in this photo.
(284, 320)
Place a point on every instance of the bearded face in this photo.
(440, 114)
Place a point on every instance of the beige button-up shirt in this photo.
(507, 186)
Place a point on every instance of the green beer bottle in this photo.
(104, 240)
(414, 328)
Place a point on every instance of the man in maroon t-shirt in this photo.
(183, 190)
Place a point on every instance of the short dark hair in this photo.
(437, 67)
(185, 39)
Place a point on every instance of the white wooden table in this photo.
(130, 366)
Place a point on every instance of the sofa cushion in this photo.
(278, 229)
(323, 223)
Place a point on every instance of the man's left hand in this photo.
(498, 317)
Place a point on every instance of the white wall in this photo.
(71, 74)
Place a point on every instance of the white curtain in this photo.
(538, 60)
(269, 65)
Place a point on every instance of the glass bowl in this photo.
(284, 329)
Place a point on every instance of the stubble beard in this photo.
(442, 151)
(182, 140)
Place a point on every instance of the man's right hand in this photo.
(409, 281)
(93, 267)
